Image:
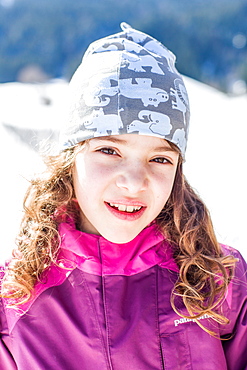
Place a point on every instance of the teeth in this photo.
(123, 208)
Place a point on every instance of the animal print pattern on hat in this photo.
(127, 83)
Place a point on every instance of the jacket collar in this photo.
(94, 254)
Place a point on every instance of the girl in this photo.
(117, 265)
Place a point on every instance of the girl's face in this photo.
(122, 183)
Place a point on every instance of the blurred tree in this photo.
(54, 34)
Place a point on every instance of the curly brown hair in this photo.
(38, 238)
(205, 271)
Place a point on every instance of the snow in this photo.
(215, 160)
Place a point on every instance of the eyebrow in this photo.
(166, 147)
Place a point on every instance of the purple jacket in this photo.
(107, 306)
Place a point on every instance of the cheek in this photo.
(163, 188)
(88, 181)
(81, 173)
(79, 180)
(88, 170)
(79, 191)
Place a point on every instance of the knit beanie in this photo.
(127, 83)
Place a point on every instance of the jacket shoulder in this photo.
(241, 265)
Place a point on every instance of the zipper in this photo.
(106, 340)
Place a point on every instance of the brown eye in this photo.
(161, 160)
(108, 151)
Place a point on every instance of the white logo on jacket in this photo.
(183, 320)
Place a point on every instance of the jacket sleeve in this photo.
(6, 360)
(236, 347)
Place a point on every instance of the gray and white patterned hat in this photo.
(127, 83)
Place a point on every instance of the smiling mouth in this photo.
(125, 208)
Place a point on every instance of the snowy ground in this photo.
(215, 162)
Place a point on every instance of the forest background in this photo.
(49, 37)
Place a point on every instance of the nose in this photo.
(133, 178)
